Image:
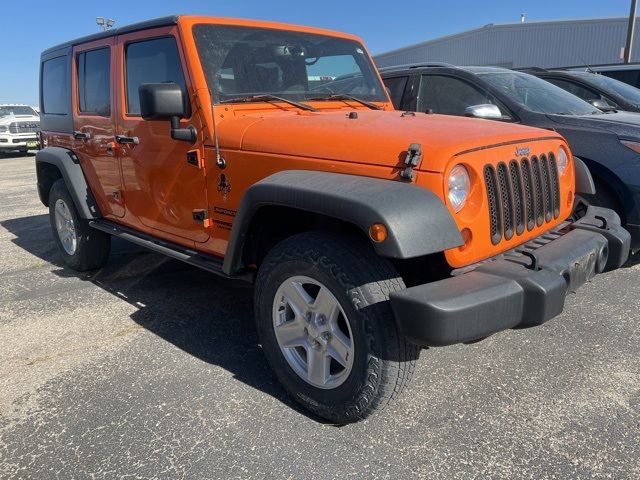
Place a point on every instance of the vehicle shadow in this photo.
(7, 154)
(206, 316)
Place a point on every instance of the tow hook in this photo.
(604, 225)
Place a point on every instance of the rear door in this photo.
(162, 184)
(396, 87)
(94, 123)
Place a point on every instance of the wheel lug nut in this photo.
(322, 320)
(326, 336)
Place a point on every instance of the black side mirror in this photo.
(165, 101)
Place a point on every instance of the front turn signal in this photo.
(378, 232)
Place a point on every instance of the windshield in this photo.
(15, 110)
(245, 61)
(538, 95)
(629, 93)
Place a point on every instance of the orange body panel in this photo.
(160, 189)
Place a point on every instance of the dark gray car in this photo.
(599, 90)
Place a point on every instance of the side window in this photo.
(396, 86)
(151, 61)
(94, 77)
(632, 77)
(55, 83)
(449, 95)
(576, 89)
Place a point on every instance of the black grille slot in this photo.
(495, 222)
(537, 188)
(546, 187)
(522, 194)
(530, 203)
(506, 196)
(518, 200)
(555, 183)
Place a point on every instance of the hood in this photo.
(374, 137)
(19, 118)
(624, 124)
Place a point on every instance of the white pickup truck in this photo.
(19, 127)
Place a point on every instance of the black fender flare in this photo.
(417, 221)
(68, 164)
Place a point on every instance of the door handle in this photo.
(81, 135)
(122, 140)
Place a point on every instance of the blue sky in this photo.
(28, 28)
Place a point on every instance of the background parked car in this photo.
(609, 143)
(602, 92)
(19, 126)
(628, 73)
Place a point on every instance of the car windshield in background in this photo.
(245, 61)
(538, 95)
(631, 94)
(15, 110)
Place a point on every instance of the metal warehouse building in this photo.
(530, 44)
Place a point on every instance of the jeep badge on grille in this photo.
(522, 151)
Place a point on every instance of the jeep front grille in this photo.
(24, 127)
(522, 195)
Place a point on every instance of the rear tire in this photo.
(82, 247)
(367, 363)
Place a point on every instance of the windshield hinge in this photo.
(414, 155)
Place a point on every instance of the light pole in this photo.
(105, 24)
(630, 30)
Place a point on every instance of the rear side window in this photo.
(396, 88)
(94, 76)
(151, 61)
(55, 83)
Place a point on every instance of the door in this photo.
(162, 184)
(93, 123)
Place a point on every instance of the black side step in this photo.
(206, 262)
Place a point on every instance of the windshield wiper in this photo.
(269, 98)
(343, 96)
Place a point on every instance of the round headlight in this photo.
(458, 187)
(563, 160)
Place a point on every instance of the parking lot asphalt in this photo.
(150, 368)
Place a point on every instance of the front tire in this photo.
(326, 326)
(82, 247)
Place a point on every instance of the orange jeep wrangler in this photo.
(272, 153)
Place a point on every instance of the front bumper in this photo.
(515, 290)
(19, 142)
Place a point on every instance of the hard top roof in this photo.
(174, 20)
(157, 22)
